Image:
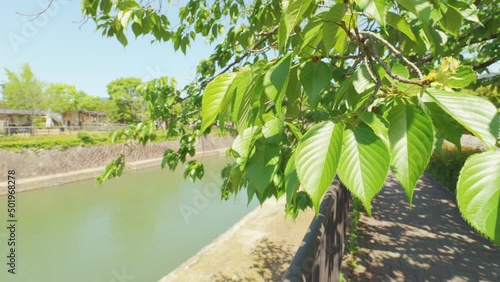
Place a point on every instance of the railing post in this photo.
(319, 258)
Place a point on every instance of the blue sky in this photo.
(60, 49)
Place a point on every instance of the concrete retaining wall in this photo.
(45, 168)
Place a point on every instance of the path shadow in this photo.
(270, 262)
(430, 241)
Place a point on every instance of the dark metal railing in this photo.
(319, 257)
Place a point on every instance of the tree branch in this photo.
(38, 14)
(388, 70)
(248, 52)
(485, 64)
(393, 50)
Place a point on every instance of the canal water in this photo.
(133, 229)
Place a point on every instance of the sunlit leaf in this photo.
(478, 193)
(476, 114)
(363, 164)
(292, 182)
(399, 23)
(375, 9)
(276, 80)
(317, 158)
(212, 99)
(262, 166)
(293, 10)
(314, 77)
(411, 139)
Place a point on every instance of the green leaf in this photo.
(122, 38)
(378, 124)
(363, 164)
(296, 132)
(464, 76)
(444, 124)
(317, 158)
(468, 11)
(113, 169)
(212, 99)
(375, 9)
(137, 29)
(105, 6)
(293, 91)
(400, 70)
(124, 17)
(451, 21)
(273, 130)
(331, 22)
(476, 114)
(262, 165)
(341, 37)
(411, 137)
(246, 108)
(276, 80)
(234, 93)
(311, 35)
(399, 23)
(421, 8)
(314, 77)
(362, 81)
(292, 182)
(478, 193)
(243, 142)
(293, 10)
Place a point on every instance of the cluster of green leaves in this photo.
(85, 137)
(355, 89)
(179, 118)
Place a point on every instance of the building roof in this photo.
(22, 112)
(88, 112)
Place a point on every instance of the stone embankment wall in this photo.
(73, 164)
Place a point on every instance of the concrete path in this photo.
(258, 248)
(430, 242)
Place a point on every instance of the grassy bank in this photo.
(18, 143)
(446, 169)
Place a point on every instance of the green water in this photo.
(132, 229)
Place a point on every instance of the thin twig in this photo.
(248, 52)
(393, 50)
(368, 68)
(265, 49)
(37, 14)
(388, 70)
(347, 57)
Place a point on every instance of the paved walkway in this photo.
(430, 242)
(258, 248)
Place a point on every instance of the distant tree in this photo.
(24, 91)
(128, 102)
(63, 97)
(91, 103)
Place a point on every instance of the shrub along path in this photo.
(431, 241)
